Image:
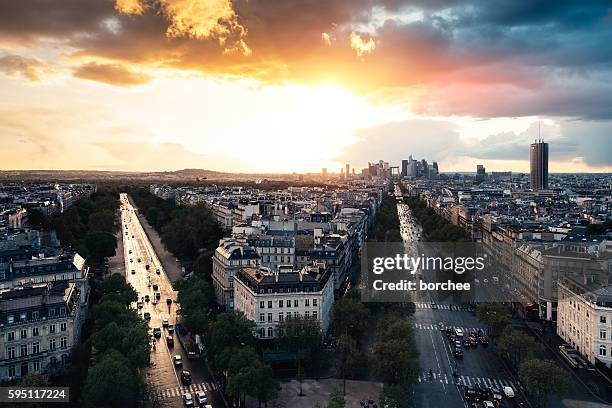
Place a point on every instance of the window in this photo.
(63, 309)
(262, 304)
(288, 302)
(262, 317)
(23, 316)
(602, 350)
(51, 312)
(296, 315)
(36, 347)
(10, 352)
(280, 302)
(63, 326)
(52, 344)
(23, 350)
(35, 331)
(64, 342)
(295, 303)
(52, 328)
(281, 332)
(35, 316)
(306, 315)
(306, 302)
(269, 317)
(11, 336)
(11, 370)
(314, 302)
(288, 315)
(262, 332)
(280, 316)
(602, 334)
(314, 315)
(36, 365)
(24, 333)
(270, 332)
(10, 319)
(269, 304)
(602, 319)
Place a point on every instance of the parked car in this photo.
(170, 328)
(169, 341)
(157, 332)
(178, 360)
(186, 377)
(147, 316)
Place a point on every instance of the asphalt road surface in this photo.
(144, 271)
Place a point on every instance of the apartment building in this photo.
(274, 250)
(39, 326)
(584, 320)
(334, 251)
(269, 297)
(231, 255)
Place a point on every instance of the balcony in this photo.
(18, 359)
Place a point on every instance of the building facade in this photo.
(231, 255)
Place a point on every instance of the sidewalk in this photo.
(171, 265)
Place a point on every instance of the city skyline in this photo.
(245, 87)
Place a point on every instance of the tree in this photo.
(542, 378)
(228, 332)
(395, 357)
(394, 396)
(112, 383)
(495, 316)
(518, 347)
(102, 221)
(100, 245)
(349, 316)
(115, 285)
(346, 362)
(336, 399)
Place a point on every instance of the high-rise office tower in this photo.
(538, 176)
(404, 168)
(348, 170)
(481, 172)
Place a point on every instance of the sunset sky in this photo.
(296, 85)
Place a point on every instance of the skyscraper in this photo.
(404, 168)
(348, 170)
(481, 172)
(538, 176)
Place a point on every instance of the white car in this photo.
(200, 397)
(488, 404)
(165, 323)
(188, 400)
(508, 392)
(178, 360)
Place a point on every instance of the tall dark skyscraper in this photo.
(538, 176)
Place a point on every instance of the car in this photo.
(186, 377)
(147, 298)
(170, 328)
(483, 340)
(130, 251)
(178, 360)
(147, 267)
(169, 341)
(459, 332)
(147, 316)
(434, 306)
(131, 260)
(458, 353)
(509, 392)
(495, 394)
(165, 322)
(154, 301)
(139, 260)
(126, 233)
(200, 397)
(157, 295)
(157, 332)
(139, 305)
(155, 287)
(467, 342)
(187, 400)
(133, 272)
(157, 271)
(132, 235)
(473, 333)
(441, 326)
(488, 404)
(168, 301)
(469, 392)
(458, 344)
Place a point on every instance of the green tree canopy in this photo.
(543, 379)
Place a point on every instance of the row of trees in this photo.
(386, 223)
(120, 345)
(435, 227)
(89, 226)
(541, 378)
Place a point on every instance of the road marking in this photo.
(179, 391)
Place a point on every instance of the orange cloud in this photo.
(361, 46)
(113, 74)
(198, 19)
(20, 67)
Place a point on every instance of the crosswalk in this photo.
(440, 306)
(427, 326)
(178, 391)
(468, 380)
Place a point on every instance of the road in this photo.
(144, 272)
(479, 365)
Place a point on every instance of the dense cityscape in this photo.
(167, 295)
